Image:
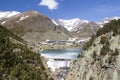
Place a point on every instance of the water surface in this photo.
(70, 53)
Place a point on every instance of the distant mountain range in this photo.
(35, 27)
(79, 28)
(70, 24)
(82, 28)
(107, 20)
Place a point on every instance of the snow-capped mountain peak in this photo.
(107, 20)
(69, 24)
(8, 14)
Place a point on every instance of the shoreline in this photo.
(38, 48)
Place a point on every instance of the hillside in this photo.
(79, 28)
(107, 20)
(100, 59)
(85, 30)
(31, 26)
(17, 62)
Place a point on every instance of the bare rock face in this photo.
(101, 61)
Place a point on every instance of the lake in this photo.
(71, 53)
(60, 59)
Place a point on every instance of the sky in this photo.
(92, 10)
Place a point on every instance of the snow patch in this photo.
(70, 23)
(36, 12)
(84, 40)
(8, 14)
(107, 20)
(55, 22)
(73, 39)
(3, 22)
(22, 18)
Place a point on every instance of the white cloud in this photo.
(51, 4)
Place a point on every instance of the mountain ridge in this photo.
(32, 22)
(31, 25)
(81, 29)
(70, 23)
(7, 14)
(107, 20)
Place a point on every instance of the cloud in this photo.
(51, 4)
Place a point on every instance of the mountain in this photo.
(100, 59)
(69, 24)
(34, 27)
(85, 30)
(8, 14)
(17, 62)
(31, 26)
(107, 20)
(79, 28)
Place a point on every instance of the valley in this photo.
(58, 49)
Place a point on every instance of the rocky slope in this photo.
(85, 30)
(31, 26)
(79, 28)
(101, 58)
(17, 62)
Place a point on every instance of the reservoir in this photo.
(59, 60)
(71, 53)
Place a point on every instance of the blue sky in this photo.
(93, 10)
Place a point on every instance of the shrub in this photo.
(113, 26)
(89, 43)
(116, 52)
(91, 78)
(103, 40)
(104, 50)
(51, 78)
(111, 59)
(94, 55)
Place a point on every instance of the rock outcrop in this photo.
(100, 61)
